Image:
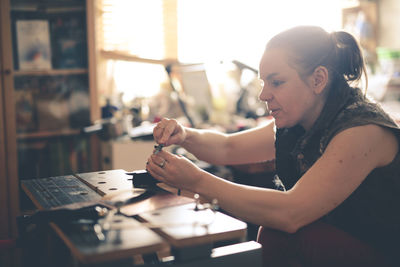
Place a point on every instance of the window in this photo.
(132, 49)
(134, 27)
(136, 37)
(209, 29)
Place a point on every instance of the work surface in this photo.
(135, 221)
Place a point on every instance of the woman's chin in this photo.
(282, 124)
(279, 123)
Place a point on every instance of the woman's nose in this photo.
(265, 94)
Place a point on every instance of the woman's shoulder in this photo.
(361, 110)
(358, 110)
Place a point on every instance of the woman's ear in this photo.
(319, 79)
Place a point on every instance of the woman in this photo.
(336, 153)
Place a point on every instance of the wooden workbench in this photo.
(153, 222)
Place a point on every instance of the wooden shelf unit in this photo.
(50, 72)
(47, 134)
(13, 141)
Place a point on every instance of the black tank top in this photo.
(372, 212)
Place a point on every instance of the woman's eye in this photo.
(276, 83)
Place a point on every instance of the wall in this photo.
(389, 23)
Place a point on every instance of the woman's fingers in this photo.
(159, 131)
(157, 161)
(154, 168)
(167, 132)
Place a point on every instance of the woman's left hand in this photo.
(174, 170)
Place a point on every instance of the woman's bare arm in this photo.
(348, 159)
(254, 145)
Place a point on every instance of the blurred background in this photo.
(84, 82)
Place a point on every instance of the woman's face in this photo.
(290, 99)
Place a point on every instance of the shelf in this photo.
(129, 57)
(47, 134)
(50, 72)
(47, 6)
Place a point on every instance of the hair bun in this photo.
(349, 59)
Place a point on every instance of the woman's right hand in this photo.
(168, 132)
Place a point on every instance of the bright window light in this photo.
(133, 26)
(136, 79)
(207, 30)
(231, 29)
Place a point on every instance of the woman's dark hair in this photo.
(311, 46)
